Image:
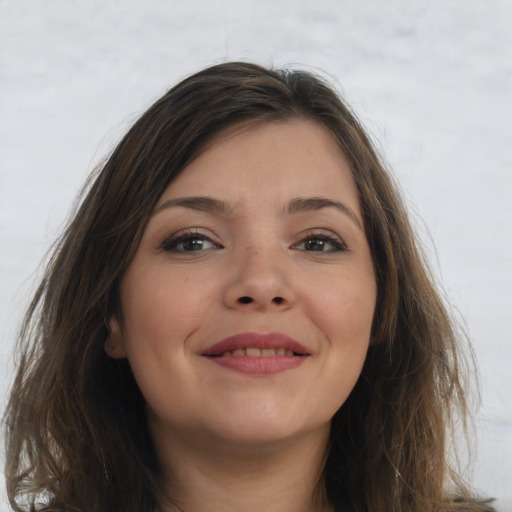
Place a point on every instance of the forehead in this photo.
(275, 161)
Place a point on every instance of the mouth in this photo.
(253, 344)
(258, 353)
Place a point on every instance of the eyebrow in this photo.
(298, 205)
(201, 203)
(311, 204)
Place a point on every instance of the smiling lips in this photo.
(258, 353)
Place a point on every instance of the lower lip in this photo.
(259, 365)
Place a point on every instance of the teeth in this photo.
(257, 352)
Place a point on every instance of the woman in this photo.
(238, 318)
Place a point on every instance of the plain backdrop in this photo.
(430, 79)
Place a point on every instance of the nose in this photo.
(259, 283)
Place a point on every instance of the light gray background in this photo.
(431, 80)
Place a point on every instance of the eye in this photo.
(319, 242)
(188, 242)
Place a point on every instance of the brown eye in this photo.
(321, 243)
(315, 244)
(188, 243)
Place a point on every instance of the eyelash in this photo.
(172, 243)
(337, 243)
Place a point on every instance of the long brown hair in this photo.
(76, 433)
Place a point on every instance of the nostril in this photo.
(245, 300)
(278, 300)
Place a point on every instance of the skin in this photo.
(260, 266)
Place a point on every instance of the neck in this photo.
(215, 476)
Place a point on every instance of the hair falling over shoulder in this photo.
(76, 432)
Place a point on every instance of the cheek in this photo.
(344, 315)
(162, 309)
(344, 306)
(160, 312)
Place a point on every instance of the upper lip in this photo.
(257, 340)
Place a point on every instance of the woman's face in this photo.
(247, 309)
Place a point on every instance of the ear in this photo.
(114, 344)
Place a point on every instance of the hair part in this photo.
(76, 428)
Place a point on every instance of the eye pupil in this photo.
(315, 244)
(192, 244)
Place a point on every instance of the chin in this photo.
(251, 432)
